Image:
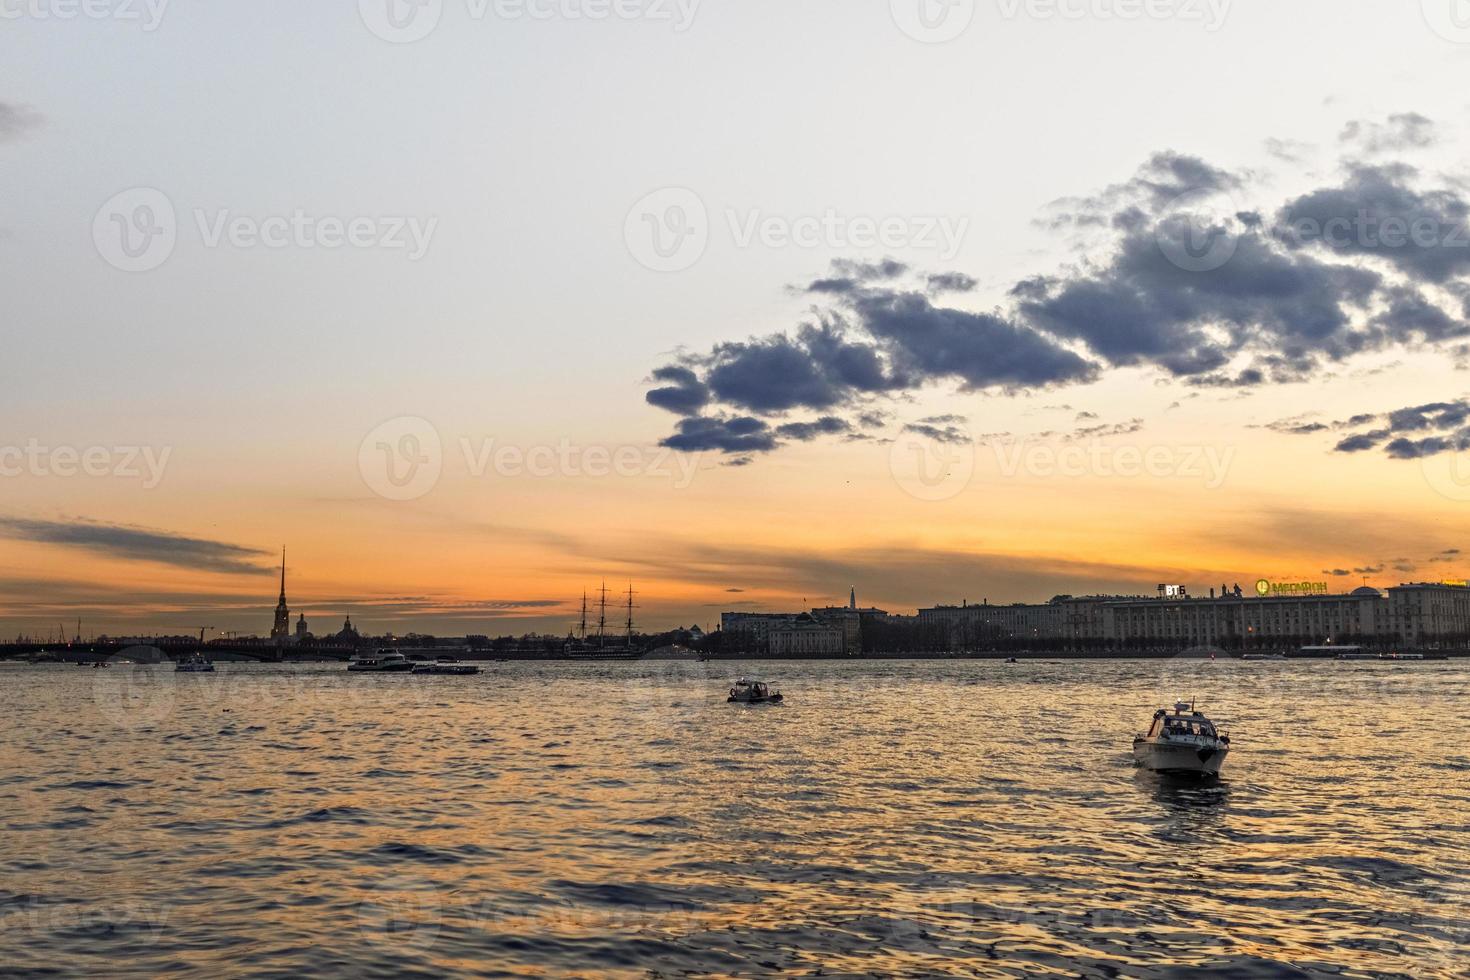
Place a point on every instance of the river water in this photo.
(892, 818)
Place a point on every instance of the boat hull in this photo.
(1181, 758)
(377, 669)
(770, 699)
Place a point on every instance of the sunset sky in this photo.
(742, 302)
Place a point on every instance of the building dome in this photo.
(1366, 592)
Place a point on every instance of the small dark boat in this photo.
(748, 691)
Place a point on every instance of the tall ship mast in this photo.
(601, 645)
(602, 614)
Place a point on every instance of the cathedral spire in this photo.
(282, 628)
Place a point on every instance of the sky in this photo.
(474, 305)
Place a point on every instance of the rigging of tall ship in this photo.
(586, 642)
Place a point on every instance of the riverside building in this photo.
(1411, 615)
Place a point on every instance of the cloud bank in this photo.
(1183, 280)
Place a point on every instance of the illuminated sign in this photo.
(1173, 591)
(1457, 582)
(1265, 587)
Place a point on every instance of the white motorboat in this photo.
(748, 691)
(381, 662)
(194, 664)
(1182, 741)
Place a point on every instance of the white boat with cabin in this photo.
(380, 662)
(1182, 741)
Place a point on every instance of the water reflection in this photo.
(892, 818)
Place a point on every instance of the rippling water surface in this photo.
(967, 819)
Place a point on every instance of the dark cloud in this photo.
(1297, 427)
(828, 425)
(740, 434)
(16, 121)
(941, 428)
(1410, 433)
(685, 395)
(138, 544)
(1278, 308)
(1361, 442)
(1162, 180)
(951, 282)
(977, 350)
(1291, 151)
(1404, 131)
(1143, 308)
(1376, 212)
(817, 369)
(1103, 431)
(847, 275)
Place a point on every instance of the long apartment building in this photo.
(1423, 614)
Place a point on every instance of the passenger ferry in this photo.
(381, 662)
